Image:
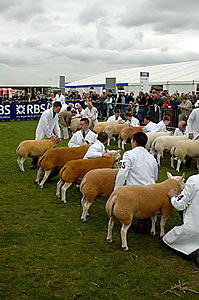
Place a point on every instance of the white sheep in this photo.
(162, 143)
(56, 158)
(75, 124)
(75, 170)
(96, 183)
(153, 135)
(114, 130)
(127, 133)
(140, 202)
(183, 148)
(32, 148)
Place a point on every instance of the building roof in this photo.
(185, 72)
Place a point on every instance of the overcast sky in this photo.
(41, 39)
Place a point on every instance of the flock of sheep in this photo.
(97, 176)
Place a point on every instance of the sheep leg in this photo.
(38, 174)
(108, 143)
(110, 229)
(172, 162)
(47, 173)
(63, 191)
(20, 163)
(162, 225)
(178, 165)
(123, 142)
(154, 220)
(158, 157)
(83, 201)
(85, 210)
(119, 143)
(59, 185)
(124, 230)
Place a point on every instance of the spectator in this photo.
(185, 106)
(110, 100)
(121, 102)
(80, 111)
(85, 134)
(60, 97)
(141, 106)
(77, 96)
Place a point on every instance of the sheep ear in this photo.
(169, 175)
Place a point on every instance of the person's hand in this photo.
(191, 136)
(53, 138)
(171, 193)
(57, 140)
(107, 155)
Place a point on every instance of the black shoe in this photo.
(195, 257)
(33, 167)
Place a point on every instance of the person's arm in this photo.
(184, 199)
(189, 124)
(73, 141)
(124, 167)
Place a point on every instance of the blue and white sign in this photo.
(16, 111)
(144, 82)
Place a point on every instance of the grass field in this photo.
(46, 252)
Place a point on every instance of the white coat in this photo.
(160, 127)
(149, 127)
(91, 114)
(185, 238)
(134, 122)
(193, 123)
(138, 167)
(95, 150)
(113, 118)
(60, 98)
(47, 124)
(77, 138)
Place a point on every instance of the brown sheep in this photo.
(126, 133)
(56, 158)
(140, 202)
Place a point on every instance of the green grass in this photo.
(46, 252)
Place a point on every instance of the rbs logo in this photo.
(4, 109)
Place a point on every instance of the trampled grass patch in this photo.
(46, 252)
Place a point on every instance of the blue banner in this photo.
(16, 111)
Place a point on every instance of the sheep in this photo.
(126, 133)
(140, 202)
(101, 125)
(75, 170)
(32, 148)
(75, 125)
(114, 130)
(183, 148)
(56, 158)
(153, 135)
(96, 183)
(162, 143)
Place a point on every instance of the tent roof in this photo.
(158, 74)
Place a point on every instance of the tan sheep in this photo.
(32, 148)
(75, 170)
(140, 202)
(75, 124)
(183, 148)
(56, 158)
(126, 133)
(114, 130)
(101, 125)
(96, 183)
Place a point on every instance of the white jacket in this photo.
(193, 123)
(95, 150)
(113, 118)
(185, 238)
(134, 122)
(77, 138)
(138, 167)
(60, 98)
(47, 125)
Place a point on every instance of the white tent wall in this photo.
(180, 87)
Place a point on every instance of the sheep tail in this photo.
(111, 205)
(40, 160)
(17, 150)
(82, 184)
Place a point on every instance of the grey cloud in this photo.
(91, 14)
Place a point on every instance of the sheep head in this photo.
(180, 179)
(116, 154)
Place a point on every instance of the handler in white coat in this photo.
(85, 134)
(138, 166)
(48, 124)
(91, 113)
(98, 148)
(193, 124)
(185, 238)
